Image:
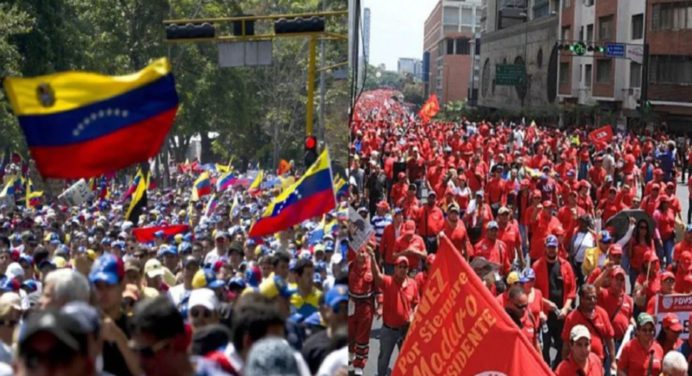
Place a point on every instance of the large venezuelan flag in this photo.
(201, 186)
(81, 124)
(310, 196)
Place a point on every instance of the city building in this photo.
(407, 65)
(447, 58)
(519, 36)
(366, 34)
(604, 81)
(669, 35)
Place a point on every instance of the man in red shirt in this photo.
(595, 319)
(399, 189)
(516, 306)
(388, 242)
(400, 297)
(508, 232)
(455, 230)
(410, 246)
(431, 221)
(613, 299)
(555, 279)
(543, 224)
(493, 249)
(581, 361)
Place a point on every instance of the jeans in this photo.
(389, 337)
(668, 250)
(633, 278)
(524, 243)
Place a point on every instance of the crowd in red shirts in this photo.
(577, 236)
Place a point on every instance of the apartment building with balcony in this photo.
(610, 83)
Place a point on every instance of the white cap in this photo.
(203, 297)
(8, 302)
(579, 331)
(126, 225)
(14, 270)
(153, 268)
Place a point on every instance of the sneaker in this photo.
(358, 371)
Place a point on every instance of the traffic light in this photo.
(578, 48)
(595, 48)
(190, 31)
(299, 25)
(310, 151)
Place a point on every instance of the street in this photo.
(371, 367)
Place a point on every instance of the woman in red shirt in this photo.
(536, 306)
(665, 222)
(642, 242)
(642, 355)
(669, 336)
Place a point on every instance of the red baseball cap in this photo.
(409, 228)
(615, 249)
(671, 321)
(402, 259)
(618, 270)
(667, 275)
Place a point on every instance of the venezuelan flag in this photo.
(225, 181)
(33, 198)
(311, 196)
(254, 187)
(211, 206)
(81, 124)
(139, 198)
(201, 187)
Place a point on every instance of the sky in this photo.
(396, 29)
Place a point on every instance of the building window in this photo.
(637, 26)
(587, 75)
(462, 47)
(670, 69)
(671, 16)
(466, 16)
(450, 47)
(566, 36)
(541, 8)
(485, 78)
(635, 74)
(566, 4)
(605, 28)
(603, 71)
(450, 16)
(589, 33)
(564, 73)
(581, 33)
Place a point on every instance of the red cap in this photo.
(670, 185)
(650, 256)
(618, 270)
(615, 249)
(402, 259)
(524, 183)
(667, 275)
(658, 171)
(401, 175)
(536, 193)
(409, 228)
(584, 184)
(655, 186)
(663, 198)
(547, 204)
(383, 205)
(671, 321)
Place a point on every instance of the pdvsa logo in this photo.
(491, 373)
(667, 302)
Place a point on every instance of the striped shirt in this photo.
(379, 222)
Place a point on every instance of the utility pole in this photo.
(320, 130)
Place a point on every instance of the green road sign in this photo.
(509, 74)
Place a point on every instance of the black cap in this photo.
(65, 328)
(190, 260)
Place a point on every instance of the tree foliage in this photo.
(257, 112)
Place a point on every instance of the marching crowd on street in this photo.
(83, 293)
(576, 233)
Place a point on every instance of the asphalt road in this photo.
(371, 366)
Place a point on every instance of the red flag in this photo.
(460, 329)
(601, 137)
(429, 109)
(284, 167)
(146, 234)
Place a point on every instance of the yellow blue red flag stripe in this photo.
(310, 196)
(80, 124)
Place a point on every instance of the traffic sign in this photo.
(615, 50)
(509, 74)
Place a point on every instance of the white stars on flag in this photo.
(92, 117)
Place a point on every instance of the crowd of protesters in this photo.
(575, 235)
(81, 295)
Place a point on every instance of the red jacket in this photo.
(569, 285)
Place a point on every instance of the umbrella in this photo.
(620, 222)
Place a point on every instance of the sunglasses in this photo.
(60, 354)
(150, 351)
(200, 313)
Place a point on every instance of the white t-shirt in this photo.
(582, 241)
(335, 361)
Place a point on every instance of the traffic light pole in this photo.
(312, 44)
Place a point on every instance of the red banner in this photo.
(146, 234)
(601, 137)
(460, 329)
